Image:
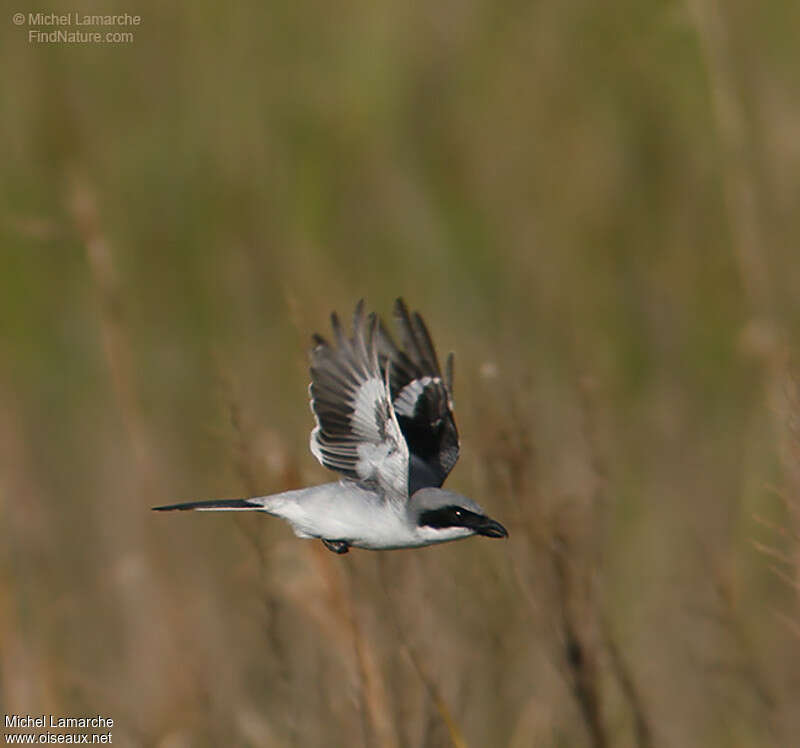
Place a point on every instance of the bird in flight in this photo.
(384, 422)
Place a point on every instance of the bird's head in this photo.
(444, 515)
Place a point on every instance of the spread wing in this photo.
(422, 398)
(357, 432)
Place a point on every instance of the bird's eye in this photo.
(458, 513)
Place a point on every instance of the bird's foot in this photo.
(337, 546)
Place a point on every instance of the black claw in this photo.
(337, 546)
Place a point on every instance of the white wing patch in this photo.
(370, 399)
(405, 403)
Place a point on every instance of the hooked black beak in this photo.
(490, 529)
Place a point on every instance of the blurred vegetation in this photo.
(594, 206)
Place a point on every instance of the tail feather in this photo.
(213, 505)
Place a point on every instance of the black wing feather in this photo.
(422, 398)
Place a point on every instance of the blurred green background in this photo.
(593, 204)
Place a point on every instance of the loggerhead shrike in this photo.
(384, 421)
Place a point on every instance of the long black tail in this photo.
(214, 504)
